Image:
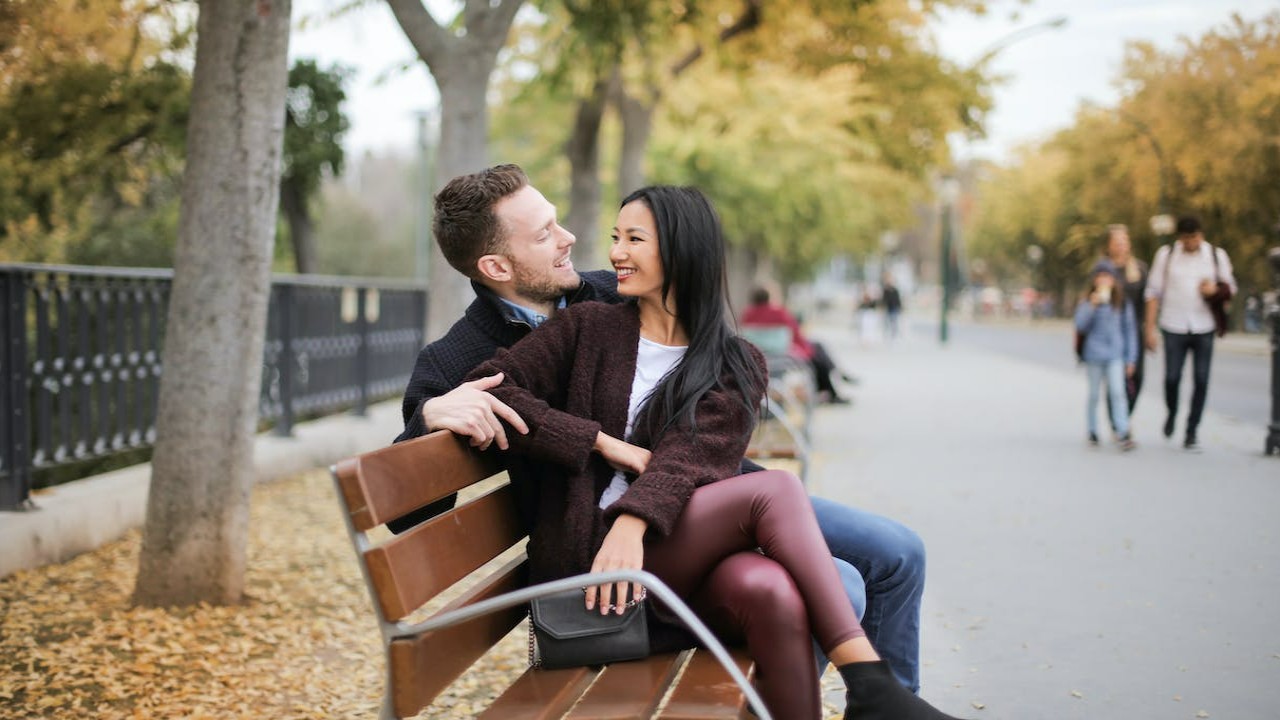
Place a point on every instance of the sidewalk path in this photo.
(1064, 582)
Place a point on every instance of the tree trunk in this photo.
(193, 546)
(637, 126)
(302, 234)
(583, 151)
(464, 148)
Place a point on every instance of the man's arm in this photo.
(437, 398)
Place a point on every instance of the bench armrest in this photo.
(651, 583)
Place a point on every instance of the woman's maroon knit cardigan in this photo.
(570, 379)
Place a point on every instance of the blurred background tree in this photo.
(1194, 132)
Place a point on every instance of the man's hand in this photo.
(623, 549)
(1150, 336)
(470, 411)
(622, 455)
(1208, 288)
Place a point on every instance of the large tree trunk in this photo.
(461, 65)
(464, 148)
(302, 234)
(583, 150)
(637, 126)
(193, 547)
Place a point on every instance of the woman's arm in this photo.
(536, 374)
(682, 461)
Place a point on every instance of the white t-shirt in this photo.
(1182, 307)
(653, 362)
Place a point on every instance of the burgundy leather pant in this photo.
(776, 601)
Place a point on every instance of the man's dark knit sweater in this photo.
(487, 325)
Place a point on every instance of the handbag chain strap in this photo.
(535, 662)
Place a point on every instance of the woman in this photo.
(1105, 318)
(666, 373)
(1131, 280)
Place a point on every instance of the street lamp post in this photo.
(1273, 314)
(950, 192)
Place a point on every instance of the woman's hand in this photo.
(622, 455)
(623, 549)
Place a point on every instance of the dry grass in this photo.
(303, 645)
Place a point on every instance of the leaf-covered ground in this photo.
(303, 645)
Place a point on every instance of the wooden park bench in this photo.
(406, 572)
(784, 430)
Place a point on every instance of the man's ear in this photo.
(497, 268)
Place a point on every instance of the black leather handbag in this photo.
(563, 633)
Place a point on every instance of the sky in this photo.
(1047, 73)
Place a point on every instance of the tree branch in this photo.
(748, 21)
(428, 38)
(488, 23)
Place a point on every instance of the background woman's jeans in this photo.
(1110, 373)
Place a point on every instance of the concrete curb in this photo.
(82, 515)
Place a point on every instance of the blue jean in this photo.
(882, 566)
(1112, 373)
(1176, 347)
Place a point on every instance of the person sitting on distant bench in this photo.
(764, 313)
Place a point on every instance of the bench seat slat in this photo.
(628, 690)
(706, 691)
(385, 484)
(412, 568)
(541, 695)
(424, 665)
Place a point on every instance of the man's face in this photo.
(1191, 242)
(536, 246)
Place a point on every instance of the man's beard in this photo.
(541, 288)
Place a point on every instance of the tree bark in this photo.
(193, 546)
(461, 66)
(302, 234)
(583, 151)
(637, 126)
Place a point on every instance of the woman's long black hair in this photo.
(691, 246)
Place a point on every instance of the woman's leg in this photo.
(751, 599)
(1094, 372)
(1115, 391)
(769, 510)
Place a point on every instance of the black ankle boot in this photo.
(873, 693)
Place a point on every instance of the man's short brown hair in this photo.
(465, 224)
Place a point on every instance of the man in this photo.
(497, 229)
(892, 306)
(1131, 279)
(1187, 277)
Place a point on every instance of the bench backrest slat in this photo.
(385, 484)
(411, 569)
(424, 665)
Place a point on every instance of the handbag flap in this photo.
(564, 616)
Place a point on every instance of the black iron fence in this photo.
(80, 366)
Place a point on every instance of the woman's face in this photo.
(634, 254)
(1104, 281)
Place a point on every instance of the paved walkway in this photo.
(1064, 582)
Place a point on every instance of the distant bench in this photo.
(407, 571)
(784, 430)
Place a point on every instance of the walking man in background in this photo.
(1188, 289)
(892, 306)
